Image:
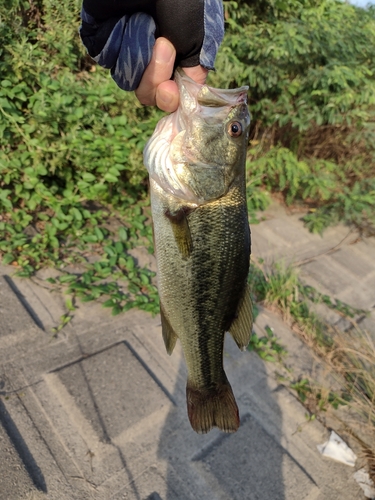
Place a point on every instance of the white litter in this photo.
(365, 482)
(337, 449)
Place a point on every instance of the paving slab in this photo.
(99, 411)
(16, 475)
(338, 263)
(15, 319)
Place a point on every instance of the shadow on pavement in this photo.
(23, 451)
(248, 464)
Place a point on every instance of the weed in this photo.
(317, 399)
(268, 347)
(114, 278)
(350, 354)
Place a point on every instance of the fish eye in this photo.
(235, 129)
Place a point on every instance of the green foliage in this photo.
(112, 275)
(267, 347)
(333, 194)
(318, 399)
(310, 66)
(70, 141)
(350, 354)
(310, 63)
(129, 287)
(70, 154)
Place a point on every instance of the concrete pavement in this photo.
(99, 412)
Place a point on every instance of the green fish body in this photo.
(196, 161)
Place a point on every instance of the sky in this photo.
(362, 3)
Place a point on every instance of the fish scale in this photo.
(202, 246)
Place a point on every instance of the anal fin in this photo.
(242, 324)
(169, 336)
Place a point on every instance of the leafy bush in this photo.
(71, 142)
(310, 67)
(331, 191)
(68, 135)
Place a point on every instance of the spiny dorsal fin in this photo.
(181, 231)
(242, 325)
(169, 336)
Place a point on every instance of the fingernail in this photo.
(164, 51)
(165, 97)
(167, 101)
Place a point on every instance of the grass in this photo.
(98, 264)
(349, 354)
(267, 347)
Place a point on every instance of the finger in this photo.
(197, 73)
(158, 71)
(167, 96)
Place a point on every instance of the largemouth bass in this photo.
(196, 164)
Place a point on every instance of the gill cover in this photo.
(193, 152)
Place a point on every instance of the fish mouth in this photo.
(193, 93)
(205, 100)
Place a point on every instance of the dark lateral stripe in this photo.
(211, 342)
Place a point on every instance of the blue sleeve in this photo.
(119, 36)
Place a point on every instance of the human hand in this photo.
(155, 87)
(123, 40)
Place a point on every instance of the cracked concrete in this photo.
(99, 412)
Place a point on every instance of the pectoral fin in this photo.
(181, 231)
(169, 336)
(242, 325)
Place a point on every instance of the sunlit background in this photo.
(362, 3)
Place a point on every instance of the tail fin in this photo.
(208, 408)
